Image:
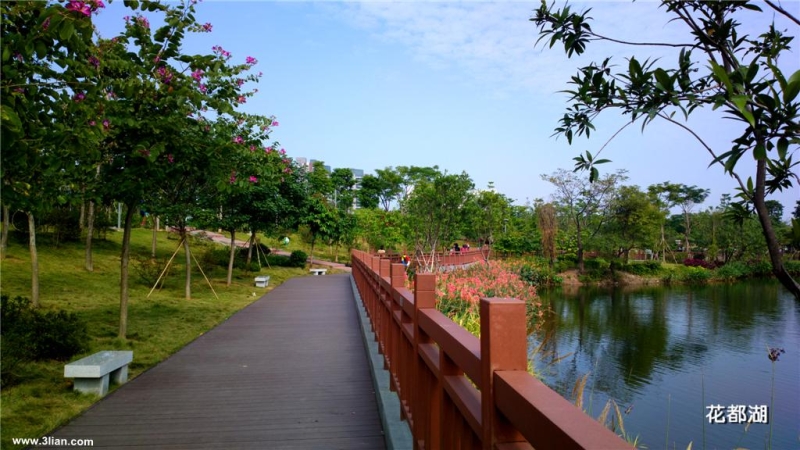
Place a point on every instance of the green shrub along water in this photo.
(258, 259)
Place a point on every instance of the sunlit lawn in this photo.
(158, 326)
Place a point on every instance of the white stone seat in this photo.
(93, 373)
(319, 271)
(262, 281)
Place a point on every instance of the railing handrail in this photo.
(460, 391)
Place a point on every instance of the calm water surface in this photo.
(668, 352)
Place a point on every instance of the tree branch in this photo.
(648, 44)
(702, 142)
(782, 11)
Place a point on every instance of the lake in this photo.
(667, 353)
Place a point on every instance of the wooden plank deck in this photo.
(288, 372)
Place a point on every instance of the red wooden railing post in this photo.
(427, 399)
(503, 347)
(389, 357)
(397, 280)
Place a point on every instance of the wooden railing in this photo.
(458, 391)
(446, 259)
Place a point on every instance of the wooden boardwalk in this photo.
(288, 372)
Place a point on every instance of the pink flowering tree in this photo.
(45, 83)
(158, 148)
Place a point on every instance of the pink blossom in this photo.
(251, 61)
(92, 123)
(203, 88)
(287, 170)
(283, 152)
(238, 140)
(157, 59)
(253, 179)
(207, 27)
(143, 22)
(275, 123)
(46, 24)
(197, 74)
(94, 61)
(18, 57)
(127, 19)
(80, 7)
(239, 82)
(99, 4)
(267, 149)
(144, 152)
(106, 124)
(171, 158)
(242, 99)
(79, 96)
(233, 177)
(252, 148)
(260, 74)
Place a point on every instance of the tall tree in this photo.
(740, 73)
(488, 212)
(154, 87)
(46, 76)
(343, 183)
(586, 203)
(548, 228)
(634, 220)
(435, 215)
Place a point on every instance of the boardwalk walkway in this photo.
(287, 372)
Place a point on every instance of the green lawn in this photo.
(157, 326)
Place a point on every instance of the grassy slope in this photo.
(157, 326)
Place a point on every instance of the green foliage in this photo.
(721, 67)
(732, 271)
(29, 334)
(646, 268)
(539, 276)
(696, 275)
(793, 267)
(298, 258)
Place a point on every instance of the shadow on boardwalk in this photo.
(288, 371)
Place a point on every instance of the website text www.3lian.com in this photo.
(53, 441)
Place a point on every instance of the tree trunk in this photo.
(123, 282)
(231, 257)
(83, 213)
(311, 258)
(154, 242)
(769, 233)
(688, 225)
(336, 258)
(188, 253)
(34, 260)
(580, 246)
(89, 233)
(250, 247)
(4, 236)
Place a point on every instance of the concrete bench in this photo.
(262, 281)
(319, 271)
(93, 373)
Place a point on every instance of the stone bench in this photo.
(93, 373)
(319, 271)
(262, 281)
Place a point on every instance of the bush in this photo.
(642, 268)
(597, 264)
(699, 263)
(298, 258)
(793, 267)
(732, 271)
(696, 275)
(29, 335)
(760, 268)
(539, 276)
(216, 256)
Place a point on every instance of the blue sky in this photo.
(460, 85)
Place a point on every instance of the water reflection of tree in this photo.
(623, 335)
